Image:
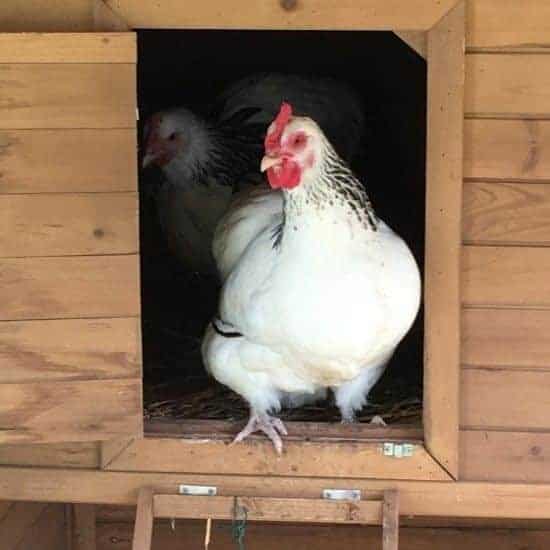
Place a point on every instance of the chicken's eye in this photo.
(172, 136)
(298, 140)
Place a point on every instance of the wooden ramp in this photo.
(383, 512)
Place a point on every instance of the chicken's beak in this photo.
(147, 160)
(269, 162)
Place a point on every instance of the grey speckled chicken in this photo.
(205, 160)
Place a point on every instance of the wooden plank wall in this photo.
(69, 276)
(115, 526)
(505, 383)
(32, 525)
(506, 316)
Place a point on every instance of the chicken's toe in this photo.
(271, 426)
(378, 421)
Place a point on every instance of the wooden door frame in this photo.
(433, 27)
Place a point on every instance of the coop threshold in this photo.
(298, 431)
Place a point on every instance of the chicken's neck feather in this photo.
(330, 196)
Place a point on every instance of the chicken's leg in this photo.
(271, 426)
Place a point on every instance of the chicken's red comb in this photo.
(281, 120)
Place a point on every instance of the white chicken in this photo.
(318, 291)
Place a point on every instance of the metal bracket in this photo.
(353, 495)
(197, 490)
(398, 450)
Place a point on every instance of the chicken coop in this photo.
(458, 100)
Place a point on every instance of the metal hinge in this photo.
(342, 494)
(197, 490)
(398, 450)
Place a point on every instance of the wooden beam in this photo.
(59, 455)
(84, 527)
(418, 41)
(105, 19)
(443, 237)
(415, 15)
(419, 498)
(390, 521)
(286, 510)
(358, 459)
(143, 530)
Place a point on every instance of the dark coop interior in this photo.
(190, 68)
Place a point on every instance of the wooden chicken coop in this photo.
(71, 405)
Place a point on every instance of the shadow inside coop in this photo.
(190, 68)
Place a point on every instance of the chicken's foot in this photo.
(271, 426)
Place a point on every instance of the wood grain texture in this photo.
(420, 498)
(508, 23)
(506, 213)
(504, 456)
(143, 529)
(443, 237)
(72, 349)
(69, 411)
(17, 520)
(505, 276)
(507, 149)
(117, 536)
(68, 47)
(48, 532)
(105, 19)
(67, 95)
(46, 16)
(505, 400)
(271, 14)
(54, 161)
(506, 338)
(511, 85)
(70, 287)
(83, 527)
(295, 510)
(68, 224)
(390, 521)
(301, 458)
(60, 455)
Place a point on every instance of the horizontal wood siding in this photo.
(71, 95)
(506, 213)
(508, 85)
(69, 287)
(70, 345)
(46, 412)
(68, 48)
(505, 383)
(68, 224)
(68, 160)
(507, 150)
(49, 350)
